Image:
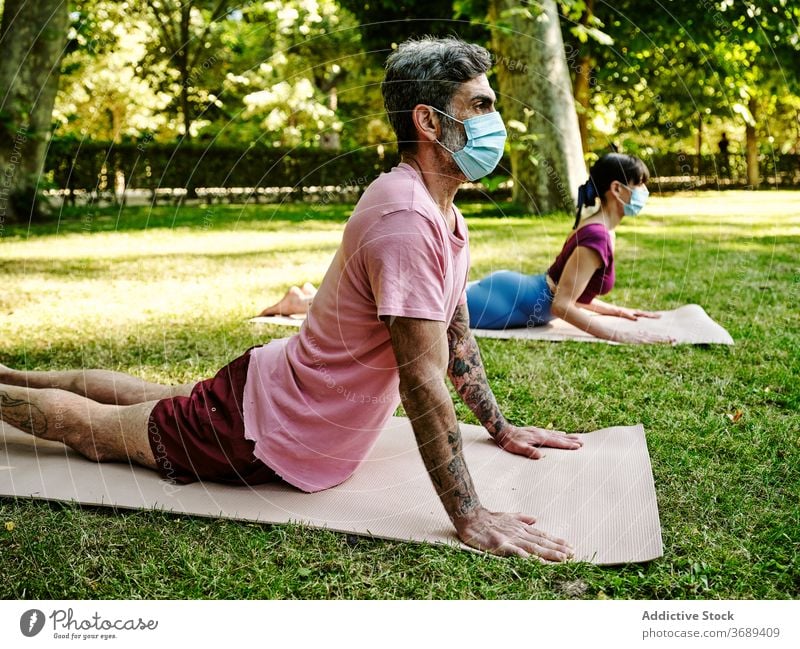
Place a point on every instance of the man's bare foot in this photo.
(296, 301)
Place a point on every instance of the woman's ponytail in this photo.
(587, 194)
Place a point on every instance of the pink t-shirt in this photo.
(315, 403)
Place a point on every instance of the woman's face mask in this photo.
(486, 139)
(637, 201)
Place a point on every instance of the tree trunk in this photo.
(31, 45)
(546, 157)
(583, 81)
(751, 147)
(182, 61)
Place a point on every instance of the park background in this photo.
(169, 168)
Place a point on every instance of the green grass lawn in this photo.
(165, 294)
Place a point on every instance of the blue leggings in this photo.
(506, 299)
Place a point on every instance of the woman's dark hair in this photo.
(627, 169)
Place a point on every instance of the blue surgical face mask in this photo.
(486, 139)
(637, 202)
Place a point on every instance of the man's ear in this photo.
(426, 121)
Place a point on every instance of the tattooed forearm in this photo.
(464, 493)
(22, 414)
(467, 375)
(449, 473)
(428, 404)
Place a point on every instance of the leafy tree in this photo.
(671, 72)
(106, 90)
(757, 50)
(190, 55)
(290, 97)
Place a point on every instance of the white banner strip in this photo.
(349, 625)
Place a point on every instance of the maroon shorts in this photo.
(201, 437)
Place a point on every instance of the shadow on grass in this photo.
(82, 268)
(229, 217)
(87, 219)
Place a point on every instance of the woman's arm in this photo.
(580, 267)
(604, 308)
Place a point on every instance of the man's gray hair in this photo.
(427, 71)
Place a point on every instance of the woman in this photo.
(583, 269)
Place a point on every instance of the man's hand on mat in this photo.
(511, 535)
(634, 314)
(527, 440)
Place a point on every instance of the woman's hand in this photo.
(632, 314)
(526, 440)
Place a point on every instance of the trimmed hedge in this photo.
(91, 166)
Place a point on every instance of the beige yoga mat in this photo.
(283, 320)
(601, 498)
(689, 324)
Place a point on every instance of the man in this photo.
(388, 323)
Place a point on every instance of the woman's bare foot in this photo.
(296, 301)
(309, 289)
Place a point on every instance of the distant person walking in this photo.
(725, 167)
